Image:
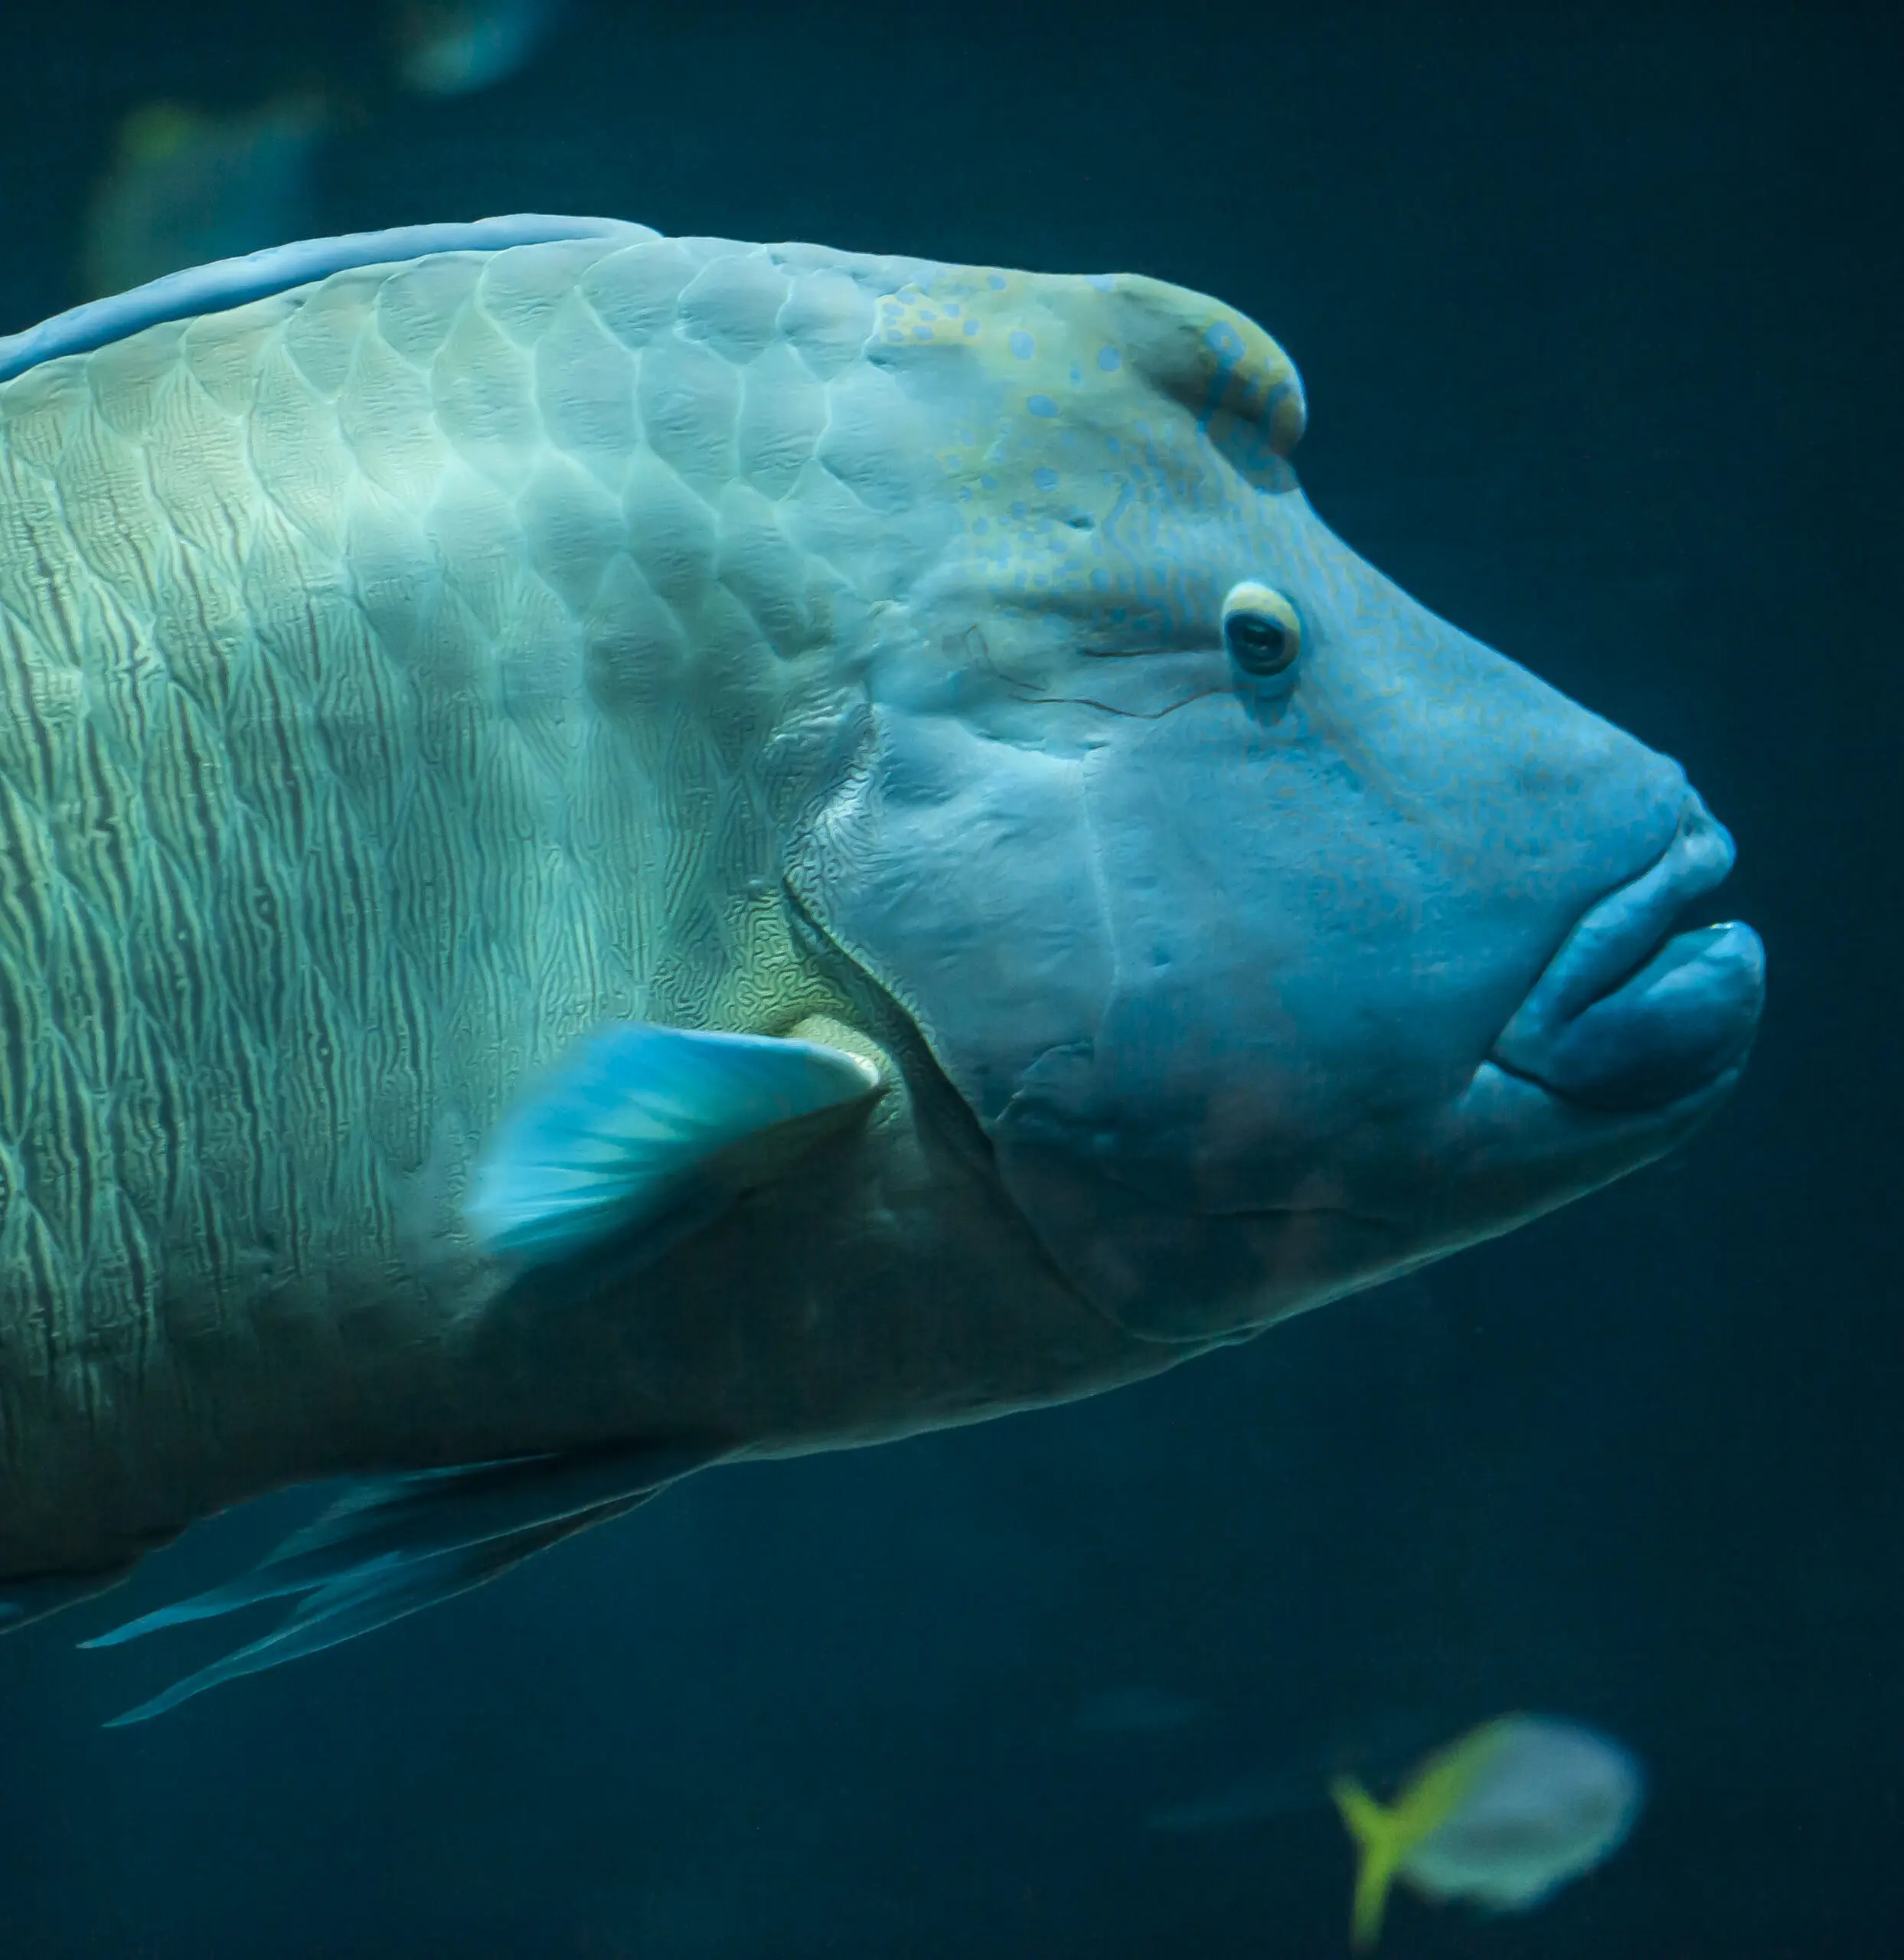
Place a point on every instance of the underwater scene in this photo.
(742, 747)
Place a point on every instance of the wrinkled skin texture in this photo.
(409, 672)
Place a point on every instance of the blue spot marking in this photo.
(1043, 478)
(1041, 404)
(1224, 341)
(980, 526)
(1109, 360)
(995, 281)
(1075, 377)
(1100, 578)
(1112, 445)
(1017, 508)
(988, 483)
(926, 313)
(893, 333)
(971, 326)
(921, 333)
(952, 309)
(1021, 344)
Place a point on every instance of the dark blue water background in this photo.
(1599, 312)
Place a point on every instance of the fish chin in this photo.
(1630, 1036)
(1165, 1273)
(1504, 1152)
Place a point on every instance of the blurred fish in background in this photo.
(1501, 1817)
(1137, 1711)
(1293, 1784)
(1258, 1796)
(185, 186)
(456, 46)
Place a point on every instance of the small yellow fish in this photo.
(1501, 1816)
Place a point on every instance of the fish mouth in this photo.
(1635, 1012)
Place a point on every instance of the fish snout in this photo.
(1634, 1013)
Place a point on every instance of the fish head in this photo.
(1280, 936)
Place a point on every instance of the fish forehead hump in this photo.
(1094, 442)
(1098, 350)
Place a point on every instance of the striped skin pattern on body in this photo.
(621, 853)
(402, 675)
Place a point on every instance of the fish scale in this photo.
(525, 739)
(195, 467)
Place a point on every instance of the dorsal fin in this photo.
(230, 283)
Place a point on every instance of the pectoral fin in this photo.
(649, 1132)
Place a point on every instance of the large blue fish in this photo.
(617, 853)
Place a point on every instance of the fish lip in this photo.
(1620, 932)
(1630, 1015)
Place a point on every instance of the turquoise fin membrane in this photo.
(405, 1543)
(647, 1133)
(23, 1601)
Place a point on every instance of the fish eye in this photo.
(1262, 629)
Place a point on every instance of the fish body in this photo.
(427, 655)
(357, 768)
(1501, 1817)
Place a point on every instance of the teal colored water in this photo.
(1597, 313)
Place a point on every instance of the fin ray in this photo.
(388, 1590)
(651, 1129)
(23, 1601)
(403, 1543)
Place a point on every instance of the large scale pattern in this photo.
(402, 675)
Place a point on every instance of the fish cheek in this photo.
(957, 874)
(1161, 1269)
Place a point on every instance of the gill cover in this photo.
(1092, 430)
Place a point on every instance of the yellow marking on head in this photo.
(1046, 335)
(1053, 391)
(1212, 360)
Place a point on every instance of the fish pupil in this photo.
(1260, 645)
